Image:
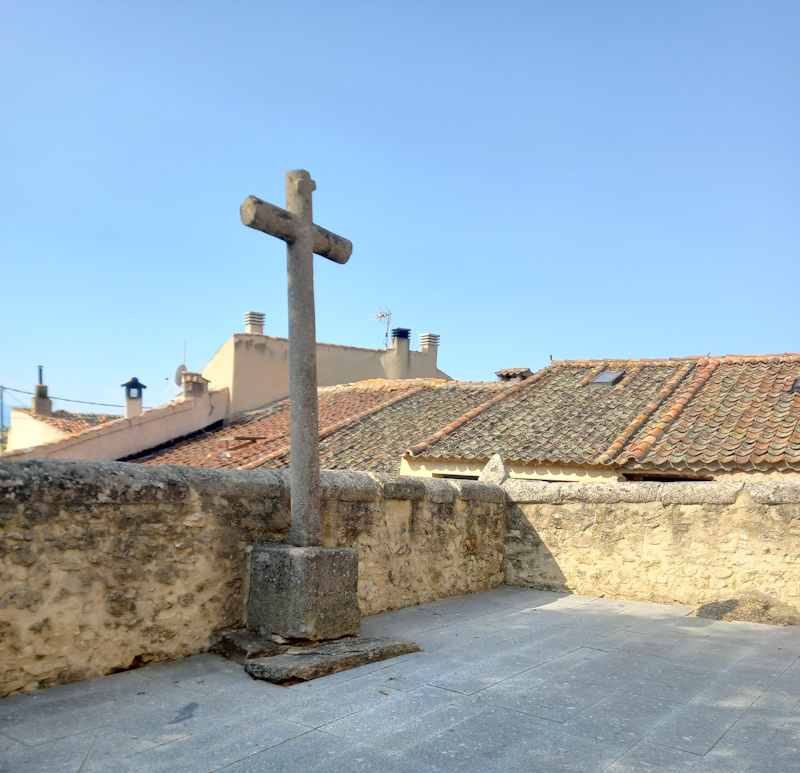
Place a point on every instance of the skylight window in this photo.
(610, 377)
(795, 386)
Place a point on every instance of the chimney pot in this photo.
(428, 339)
(194, 385)
(41, 404)
(133, 397)
(254, 322)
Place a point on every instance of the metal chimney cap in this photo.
(134, 383)
(401, 332)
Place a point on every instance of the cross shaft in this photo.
(295, 225)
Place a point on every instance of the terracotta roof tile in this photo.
(68, 422)
(741, 414)
(694, 413)
(365, 426)
(559, 416)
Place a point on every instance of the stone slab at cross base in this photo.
(304, 663)
(303, 593)
(241, 646)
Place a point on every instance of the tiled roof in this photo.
(695, 413)
(71, 423)
(365, 426)
(734, 413)
(690, 414)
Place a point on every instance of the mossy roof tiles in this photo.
(694, 413)
(365, 426)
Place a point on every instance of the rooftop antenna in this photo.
(384, 316)
(179, 371)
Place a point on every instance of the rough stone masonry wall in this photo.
(104, 565)
(684, 543)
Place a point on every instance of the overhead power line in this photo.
(64, 399)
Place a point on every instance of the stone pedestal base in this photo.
(307, 593)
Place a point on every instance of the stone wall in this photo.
(105, 565)
(674, 543)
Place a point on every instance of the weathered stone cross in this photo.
(295, 225)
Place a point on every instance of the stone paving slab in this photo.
(507, 680)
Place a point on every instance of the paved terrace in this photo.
(508, 680)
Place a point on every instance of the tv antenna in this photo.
(179, 371)
(384, 316)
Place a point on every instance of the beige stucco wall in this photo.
(105, 565)
(431, 467)
(26, 431)
(674, 543)
(255, 367)
(759, 476)
(127, 436)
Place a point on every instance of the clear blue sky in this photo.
(581, 179)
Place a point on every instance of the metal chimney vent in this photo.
(254, 322)
(401, 332)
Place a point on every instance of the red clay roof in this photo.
(365, 426)
(696, 413)
(71, 423)
(690, 414)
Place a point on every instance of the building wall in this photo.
(672, 543)
(104, 565)
(27, 431)
(443, 467)
(127, 436)
(440, 468)
(255, 367)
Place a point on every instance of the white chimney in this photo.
(429, 344)
(254, 322)
(133, 397)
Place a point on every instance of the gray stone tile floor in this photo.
(507, 680)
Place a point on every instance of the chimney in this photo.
(133, 397)
(194, 385)
(400, 339)
(41, 403)
(429, 344)
(254, 322)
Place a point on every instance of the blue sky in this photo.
(581, 179)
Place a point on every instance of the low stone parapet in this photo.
(106, 565)
(676, 543)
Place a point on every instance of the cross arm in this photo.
(266, 217)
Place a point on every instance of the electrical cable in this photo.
(65, 399)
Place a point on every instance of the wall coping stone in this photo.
(348, 486)
(675, 493)
(73, 482)
(774, 493)
(700, 493)
(478, 490)
(407, 487)
(538, 491)
(78, 482)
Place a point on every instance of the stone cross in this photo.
(295, 225)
